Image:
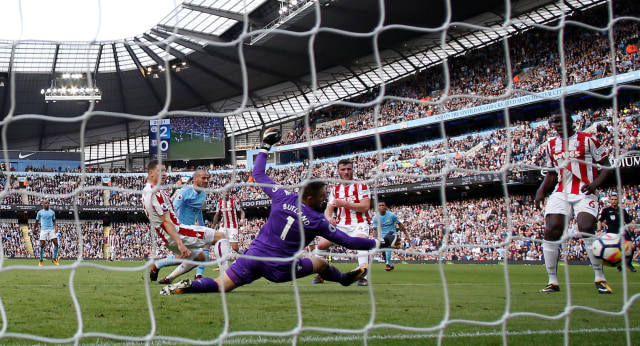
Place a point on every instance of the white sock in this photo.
(221, 249)
(363, 259)
(595, 263)
(181, 269)
(551, 253)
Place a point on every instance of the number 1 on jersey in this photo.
(287, 227)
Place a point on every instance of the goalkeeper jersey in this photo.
(281, 235)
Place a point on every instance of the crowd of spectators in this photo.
(483, 229)
(513, 149)
(209, 126)
(480, 76)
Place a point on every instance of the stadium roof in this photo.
(214, 50)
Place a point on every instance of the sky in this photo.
(81, 20)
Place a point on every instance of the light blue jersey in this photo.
(46, 218)
(387, 222)
(188, 205)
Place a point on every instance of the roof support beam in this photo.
(141, 68)
(175, 75)
(119, 77)
(226, 14)
(53, 72)
(7, 88)
(185, 32)
(194, 63)
(212, 51)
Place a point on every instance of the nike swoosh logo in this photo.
(20, 156)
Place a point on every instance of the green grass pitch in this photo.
(113, 300)
(196, 148)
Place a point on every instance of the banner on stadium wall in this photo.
(19, 160)
(484, 178)
(81, 209)
(627, 161)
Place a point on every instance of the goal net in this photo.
(445, 122)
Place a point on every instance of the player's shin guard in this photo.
(204, 285)
(221, 250)
(551, 254)
(200, 269)
(41, 253)
(55, 252)
(595, 263)
(387, 257)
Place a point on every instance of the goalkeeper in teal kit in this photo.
(281, 237)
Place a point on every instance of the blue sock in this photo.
(204, 285)
(200, 269)
(41, 253)
(387, 257)
(55, 252)
(167, 261)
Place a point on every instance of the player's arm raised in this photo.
(170, 228)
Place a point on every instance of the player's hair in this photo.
(197, 172)
(152, 165)
(312, 188)
(344, 162)
(385, 202)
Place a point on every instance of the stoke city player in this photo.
(572, 158)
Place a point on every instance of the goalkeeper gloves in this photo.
(270, 137)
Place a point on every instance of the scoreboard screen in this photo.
(185, 138)
(159, 138)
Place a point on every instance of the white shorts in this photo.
(568, 204)
(230, 233)
(359, 229)
(48, 234)
(194, 238)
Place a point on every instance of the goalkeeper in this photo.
(385, 223)
(281, 239)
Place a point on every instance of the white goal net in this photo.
(446, 122)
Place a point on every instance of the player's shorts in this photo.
(245, 270)
(194, 238)
(48, 234)
(230, 233)
(568, 204)
(359, 229)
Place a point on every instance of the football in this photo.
(608, 249)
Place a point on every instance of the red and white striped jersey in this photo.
(575, 161)
(353, 193)
(155, 205)
(113, 240)
(228, 212)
